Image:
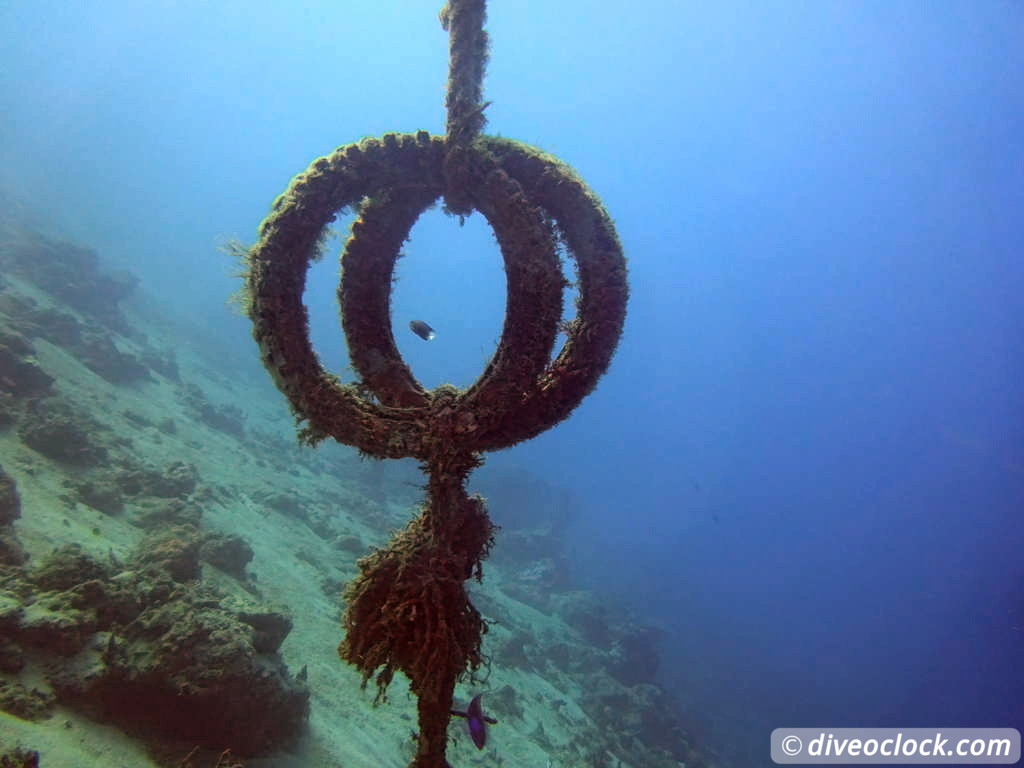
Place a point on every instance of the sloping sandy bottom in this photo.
(295, 568)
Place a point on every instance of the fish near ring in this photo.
(476, 721)
(422, 329)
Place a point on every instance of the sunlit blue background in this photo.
(807, 460)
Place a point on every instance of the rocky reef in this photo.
(148, 647)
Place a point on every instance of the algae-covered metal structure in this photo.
(408, 610)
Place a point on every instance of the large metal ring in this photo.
(531, 201)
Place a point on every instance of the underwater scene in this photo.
(526, 384)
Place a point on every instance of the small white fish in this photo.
(422, 330)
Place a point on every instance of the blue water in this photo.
(807, 460)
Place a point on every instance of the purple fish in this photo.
(477, 721)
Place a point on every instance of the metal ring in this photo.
(530, 199)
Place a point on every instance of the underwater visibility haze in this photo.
(794, 499)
